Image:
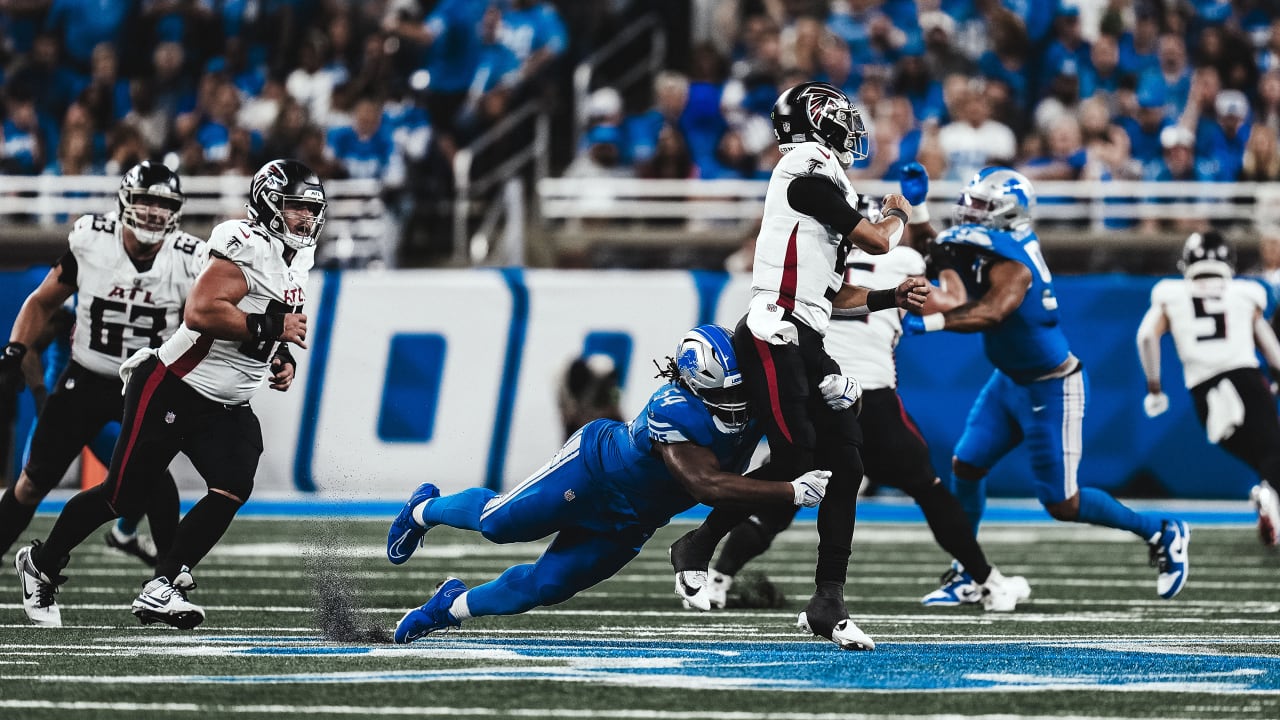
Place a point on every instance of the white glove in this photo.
(810, 487)
(1155, 404)
(840, 391)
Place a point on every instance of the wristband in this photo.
(934, 322)
(920, 214)
(881, 299)
(265, 326)
(14, 350)
(897, 213)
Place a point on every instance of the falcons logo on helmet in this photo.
(816, 100)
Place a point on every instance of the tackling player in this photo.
(605, 493)
(192, 394)
(1218, 328)
(131, 271)
(997, 284)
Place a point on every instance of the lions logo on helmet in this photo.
(1207, 253)
(287, 200)
(708, 367)
(819, 112)
(150, 201)
(997, 197)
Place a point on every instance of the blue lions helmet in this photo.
(708, 367)
(997, 197)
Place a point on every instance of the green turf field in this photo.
(1094, 640)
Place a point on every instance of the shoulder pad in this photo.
(89, 228)
(234, 240)
(975, 235)
(1161, 291)
(675, 415)
(1257, 290)
(810, 158)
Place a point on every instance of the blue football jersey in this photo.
(625, 454)
(1029, 343)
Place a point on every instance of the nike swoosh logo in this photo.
(1037, 408)
(686, 589)
(824, 153)
(396, 550)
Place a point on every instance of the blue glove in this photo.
(915, 183)
(912, 324)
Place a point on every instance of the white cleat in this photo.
(691, 588)
(1001, 593)
(37, 591)
(166, 602)
(1264, 499)
(845, 634)
(718, 588)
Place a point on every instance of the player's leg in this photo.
(123, 535)
(747, 541)
(574, 561)
(990, 432)
(79, 406)
(1256, 441)
(1054, 422)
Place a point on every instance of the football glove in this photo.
(11, 379)
(915, 183)
(810, 488)
(1155, 404)
(840, 391)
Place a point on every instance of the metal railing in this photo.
(588, 70)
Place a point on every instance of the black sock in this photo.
(751, 538)
(162, 514)
(83, 514)
(198, 532)
(14, 518)
(951, 529)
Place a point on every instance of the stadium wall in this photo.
(452, 376)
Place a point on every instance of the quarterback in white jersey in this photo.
(1218, 329)
(130, 271)
(192, 395)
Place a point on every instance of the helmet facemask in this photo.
(842, 129)
(299, 220)
(151, 215)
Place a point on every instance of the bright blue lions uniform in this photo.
(605, 493)
(1024, 399)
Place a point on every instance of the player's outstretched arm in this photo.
(211, 309)
(856, 300)
(1265, 338)
(697, 470)
(20, 359)
(820, 199)
(1154, 325)
(1009, 282)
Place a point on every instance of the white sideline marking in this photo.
(508, 712)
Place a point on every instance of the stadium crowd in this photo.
(390, 89)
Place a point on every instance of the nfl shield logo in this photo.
(169, 417)
(569, 496)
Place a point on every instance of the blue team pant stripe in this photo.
(570, 451)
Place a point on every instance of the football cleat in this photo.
(433, 615)
(718, 585)
(690, 562)
(406, 534)
(136, 545)
(958, 588)
(1002, 593)
(166, 602)
(693, 591)
(1168, 551)
(38, 590)
(1267, 503)
(845, 634)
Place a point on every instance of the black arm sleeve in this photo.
(820, 199)
(69, 269)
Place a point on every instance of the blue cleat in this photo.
(405, 534)
(432, 616)
(958, 588)
(1169, 555)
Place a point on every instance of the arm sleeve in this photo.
(821, 200)
(69, 269)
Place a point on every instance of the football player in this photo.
(130, 271)
(192, 394)
(894, 452)
(997, 283)
(1218, 328)
(810, 225)
(605, 492)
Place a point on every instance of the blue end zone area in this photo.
(869, 510)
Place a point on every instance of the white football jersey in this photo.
(1211, 320)
(119, 308)
(231, 371)
(799, 262)
(864, 345)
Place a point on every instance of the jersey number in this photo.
(1219, 319)
(261, 350)
(107, 337)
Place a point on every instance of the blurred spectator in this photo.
(22, 142)
(1068, 49)
(450, 34)
(1103, 75)
(1064, 157)
(1173, 74)
(1178, 164)
(1267, 109)
(973, 140)
(82, 24)
(1261, 161)
(75, 154)
(702, 122)
(535, 33)
(836, 65)
(671, 160)
(1144, 130)
(801, 45)
(872, 37)
(589, 390)
(732, 161)
(310, 83)
(1220, 141)
(365, 149)
(286, 132)
(311, 150)
(602, 156)
(214, 133)
(175, 92)
(497, 71)
(1139, 49)
(125, 148)
(111, 92)
(671, 97)
(54, 86)
(942, 57)
(151, 122)
(931, 155)
(912, 80)
(1006, 61)
(1063, 97)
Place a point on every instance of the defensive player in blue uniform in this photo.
(999, 285)
(605, 492)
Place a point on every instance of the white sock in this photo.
(417, 512)
(459, 609)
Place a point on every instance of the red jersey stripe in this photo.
(192, 356)
(764, 350)
(787, 291)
